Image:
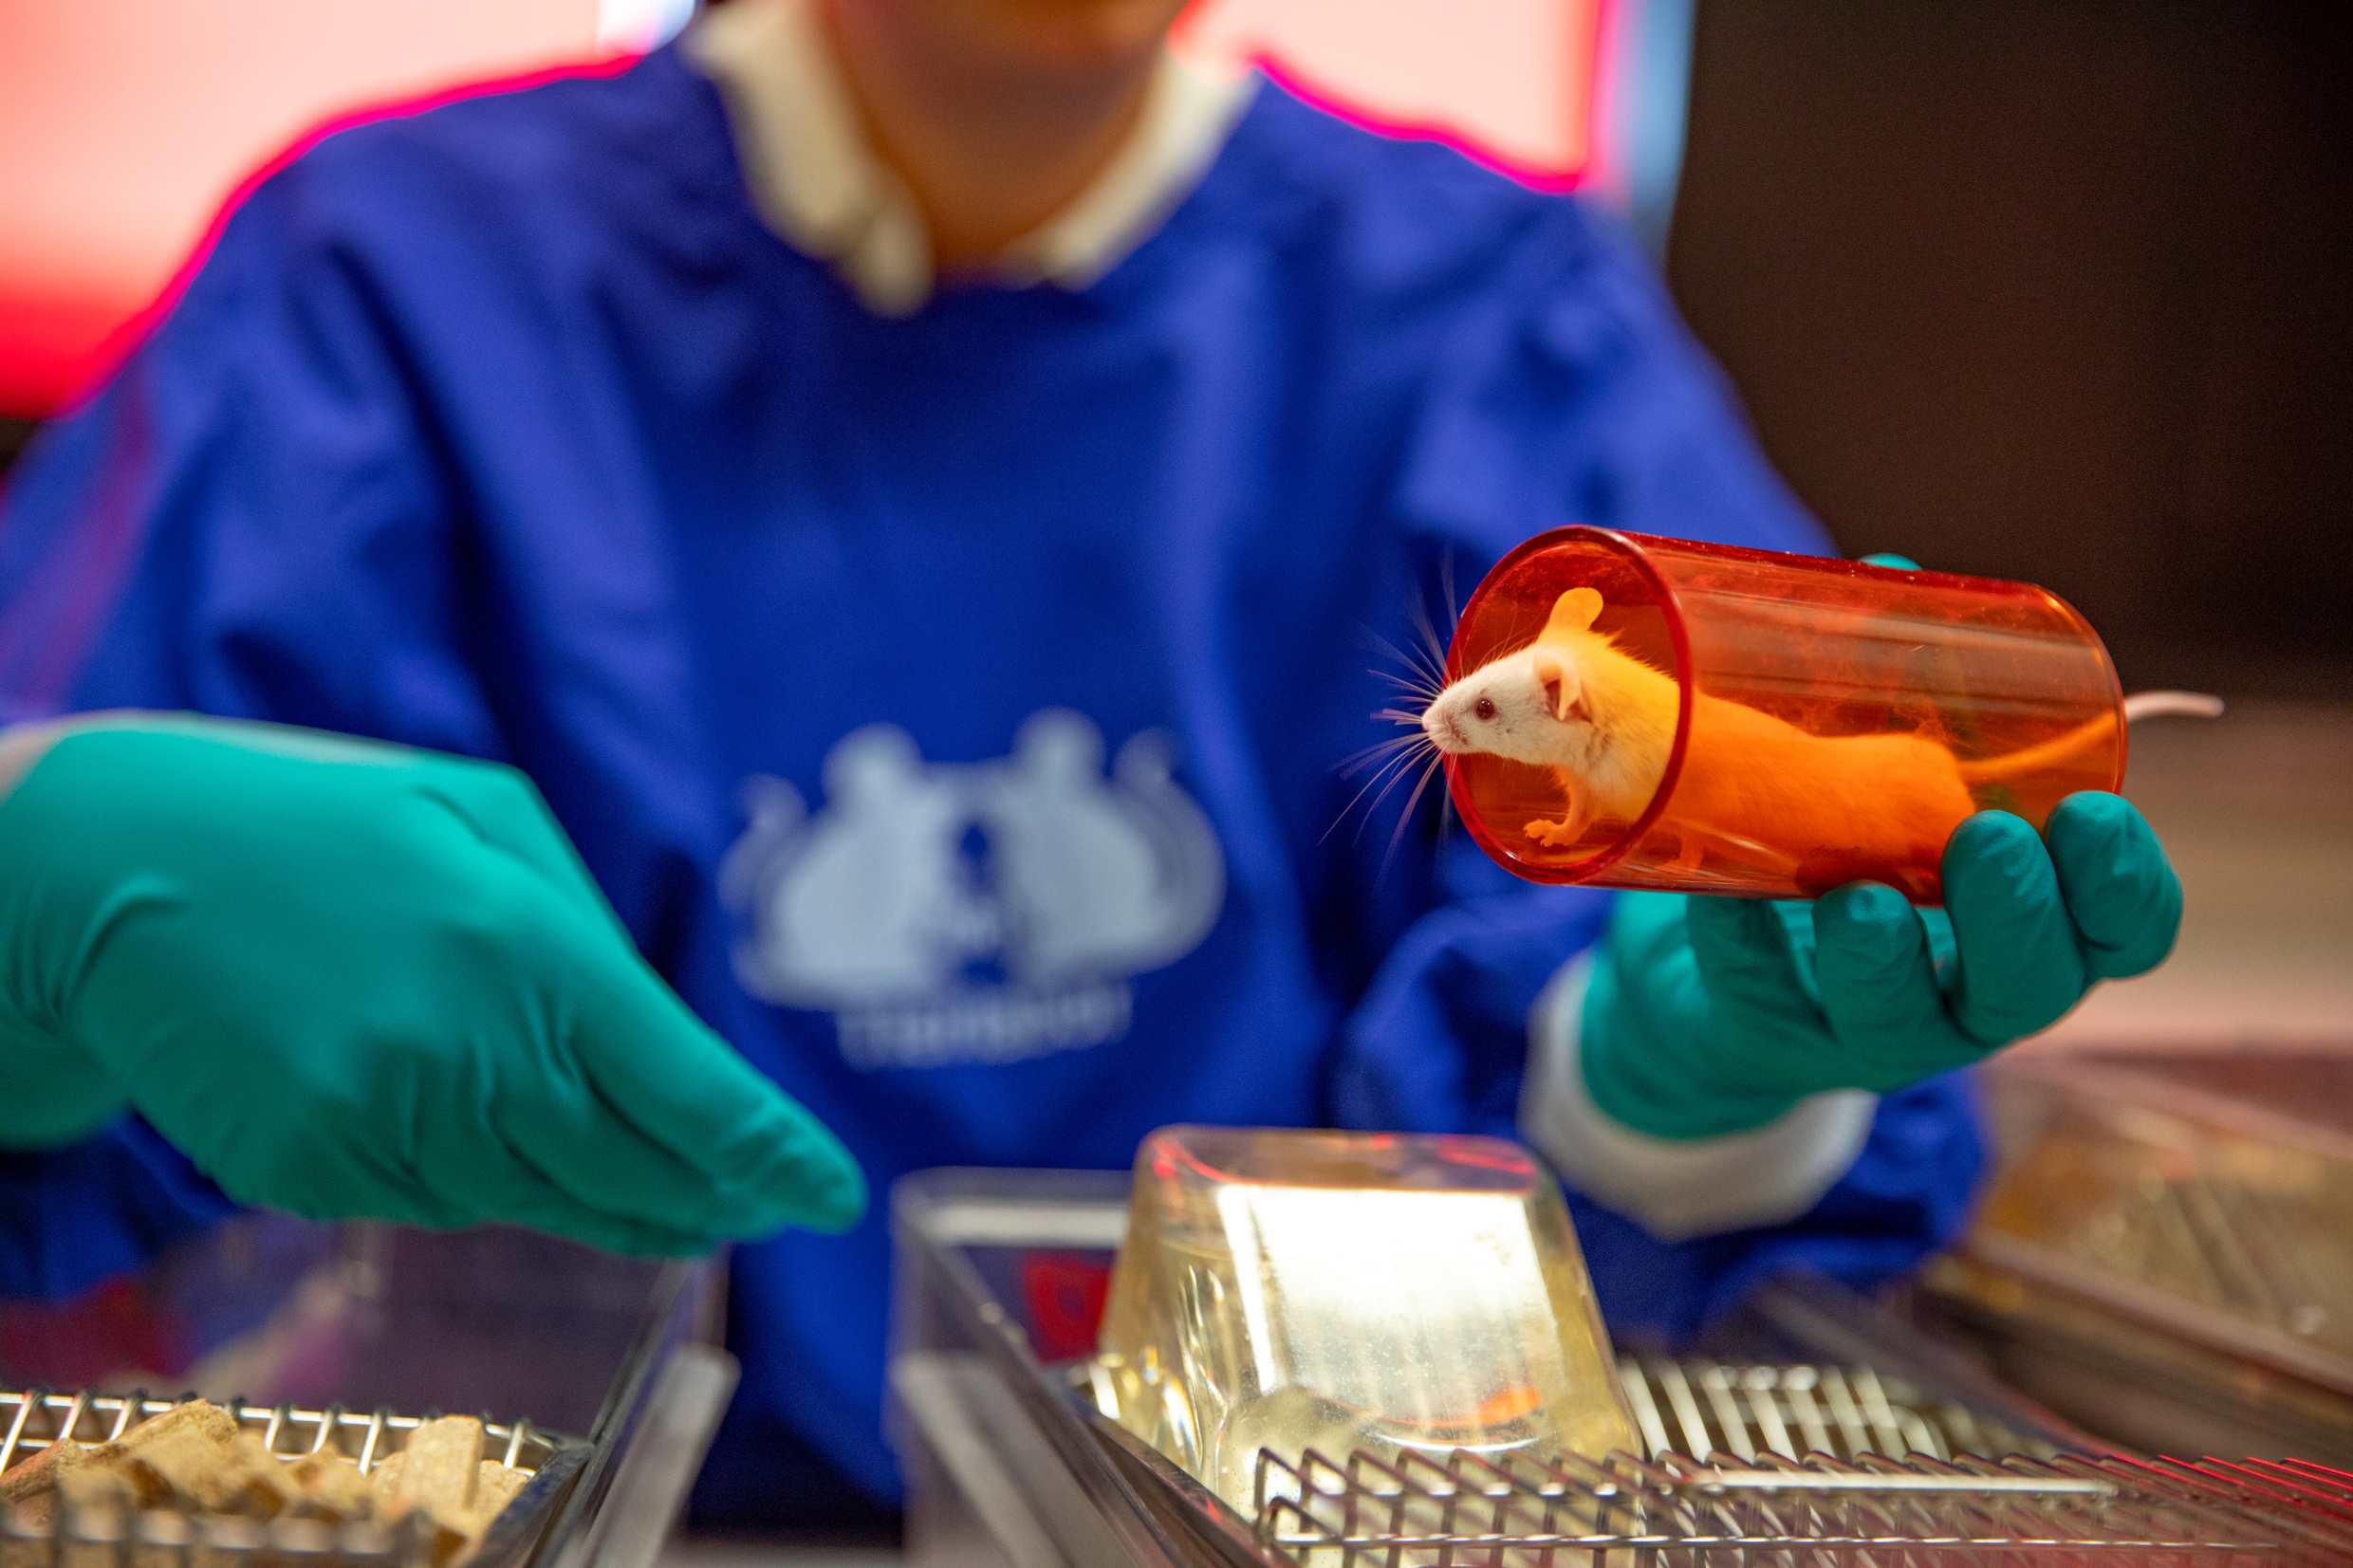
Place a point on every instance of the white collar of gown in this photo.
(818, 184)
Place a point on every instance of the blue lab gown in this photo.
(507, 429)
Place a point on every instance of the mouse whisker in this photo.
(1358, 762)
(1418, 678)
(1389, 741)
(1376, 772)
(1433, 647)
(1431, 671)
(1397, 835)
(1424, 653)
(1428, 760)
(1417, 664)
(1417, 685)
(1384, 645)
(1384, 778)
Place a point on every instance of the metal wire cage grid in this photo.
(84, 1539)
(1698, 1406)
(1466, 1510)
(37, 1417)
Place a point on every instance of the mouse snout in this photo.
(1441, 721)
(1438, 724)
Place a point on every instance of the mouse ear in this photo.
(1560, 687)
(1574, 611)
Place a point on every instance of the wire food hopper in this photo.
(1000, 1275)
(593, 1372)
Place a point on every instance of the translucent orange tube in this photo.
(1641, 712)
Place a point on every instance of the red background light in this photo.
(128, 123)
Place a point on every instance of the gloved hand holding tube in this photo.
(1715, 1015)
(1791, 764)
(351, 980)
(1707, 1016)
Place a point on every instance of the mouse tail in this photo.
(2178, 704)
(2141, 705)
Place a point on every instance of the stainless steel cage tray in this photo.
(2160, 1253)
(1009, 1464)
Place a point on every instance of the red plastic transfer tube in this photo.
(1831, 721)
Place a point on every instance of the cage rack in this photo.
(1012, 1464)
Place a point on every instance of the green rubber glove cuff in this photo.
(1707, 1016)
(1644, 1039)
(54, 1091)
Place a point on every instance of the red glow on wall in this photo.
(128, 123)
(1510, 83)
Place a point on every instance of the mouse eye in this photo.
(1485, 709)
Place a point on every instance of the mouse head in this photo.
(1524, 705)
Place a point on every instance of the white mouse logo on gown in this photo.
(984, 912)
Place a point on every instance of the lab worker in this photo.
(910, 483)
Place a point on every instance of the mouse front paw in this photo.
(1551, 835)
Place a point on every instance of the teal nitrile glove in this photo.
(1707, 1016)
(351, 980)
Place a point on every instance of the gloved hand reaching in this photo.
(351, 980)
(1707, 1016)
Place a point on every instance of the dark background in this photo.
(2051, 290)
